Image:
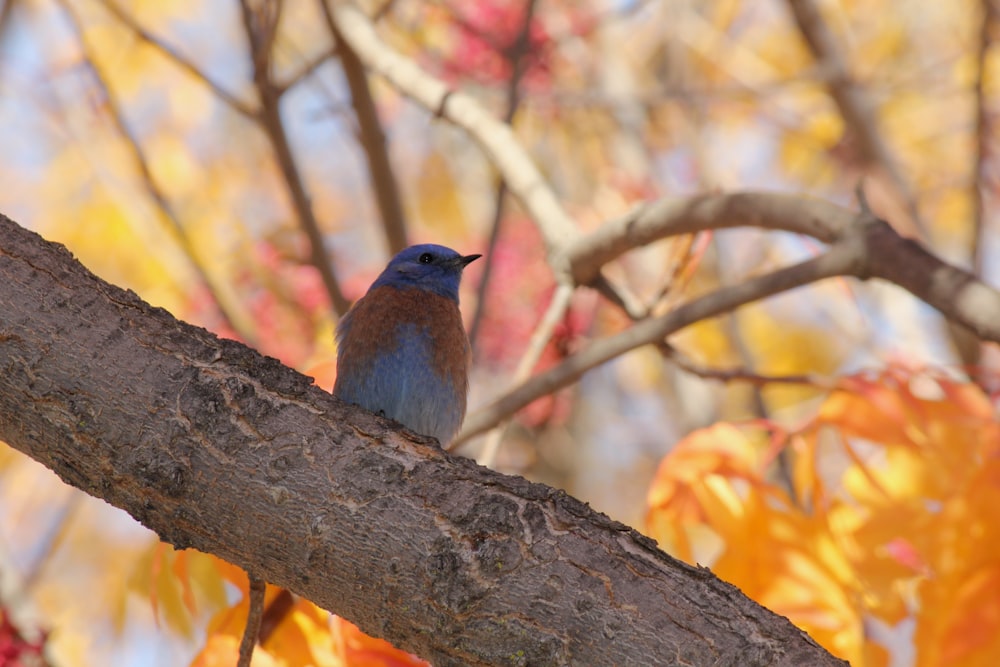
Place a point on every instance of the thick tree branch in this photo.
(673, 216)
(216, 447)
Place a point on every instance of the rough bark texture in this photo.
(216, 447)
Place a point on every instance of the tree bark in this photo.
(216, 447)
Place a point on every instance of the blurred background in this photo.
(257, 199)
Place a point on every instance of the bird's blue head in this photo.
(429, 267)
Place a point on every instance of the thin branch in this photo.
(864, 248)
(257, 587)
(496, 138)
(175, 56)
(6, 12)
(967, 347)
(516, 56)
(536, 345)
(983, 130)
(48, 546)
(260, 40)
(727, 376)
(672, 216)
(307, 70)
(149, 183)
(855, 105)
(372, 140)
(841, 259)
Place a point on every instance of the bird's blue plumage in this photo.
(402, 349)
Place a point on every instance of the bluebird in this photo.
(402, 350)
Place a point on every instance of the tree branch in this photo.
(840, 260)
(494, 137)
(515, 55)
(231, 315)
(216, 447)
(175, 56)
(372, 140)
(261, 30)
(863, 247)
(855, 106)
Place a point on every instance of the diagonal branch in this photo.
(855, 105)
(218, 448)
(177, 57)
(372, 139)
(840, 260)
(516, 56)
(863, 248)
(261, 29)
(160, 200)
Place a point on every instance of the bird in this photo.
(402, 350)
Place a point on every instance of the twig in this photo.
(497, 139)
(174, 55)
(306, 71)
(536, 345)
(256, 612)
(983, 129)
(372, 140)
(260, 40)
(237, 324)
(854, 104)
(968, 347)
(515, 56)
(841, 259)
(742, 375)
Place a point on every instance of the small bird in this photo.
(402, 350)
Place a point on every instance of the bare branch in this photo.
(727, 376)
(856, 107)
(315, 63)
(260, 39)
(865, 248)
(968, 348)
(175, 56)
(672, 216)
(227, 313)
(495, 138)
(984, 130)
(536, 345)
(372, 140)
(841, 259)
(255, 589)
(515, 56)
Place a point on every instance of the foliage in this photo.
(888, 520)
(15, 649)
(856, 503)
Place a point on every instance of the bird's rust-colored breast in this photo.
(381, 315)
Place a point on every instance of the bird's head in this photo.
(429, 267)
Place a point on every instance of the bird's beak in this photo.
(467, 259)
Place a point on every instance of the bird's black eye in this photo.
(426, 258)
